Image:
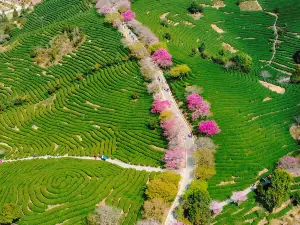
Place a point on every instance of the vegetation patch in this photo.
(60, 46)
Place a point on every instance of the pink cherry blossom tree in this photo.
(238, 197)
(128, 15)
(162, 58)
(288, 162)
(199, 106)
(209, 127)
(174, 158)
(159, 106)
(216, 207)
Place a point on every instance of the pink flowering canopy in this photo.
(174, 158)
(162, 58)
(105, 9)
(194, 101)
(128, 15)
(216, 207)
(159, 106)
(288, 162)
(199, 106)
(209, 127)
(238, 197)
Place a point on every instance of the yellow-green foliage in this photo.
(179, 70)
(163, 186)
(113, 17)
(159, 45)
(59, 46)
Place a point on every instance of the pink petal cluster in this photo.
(105, 9)
(199, 106)
(174, 158)
(1, 161)
(238, 197)
(159, 106)
(162, 58)
(128, 15)
(289, 162)
(209, 127)
(216, 207)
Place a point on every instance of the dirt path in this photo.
(276, 37)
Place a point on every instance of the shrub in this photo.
(157, 46)
(164, 23)
(154, 209)
(134, 95)
(204, 173)
(10, 213)
(104, 215)
(209, 127)
(205, 142)
(153, 123)
(296, 197)
(167, 36)
(15, 13)
(273, 194)
(163, 186)
(202, 47)
(195, 206)
(195, 8)
(204, 157)
(20, 100)
(179, 70)
(296, 57)
(295, 78)
(295, 132)
(241, 62)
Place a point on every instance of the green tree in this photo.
(153, 123)
(296, 57)
(296, 197)
(163, 186)
(195, 8)
(195, 205)
(154, 209)
(10, 213)
(295, 78)
(273, 194)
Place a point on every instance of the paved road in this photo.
(186, 173)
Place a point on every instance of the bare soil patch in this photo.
(267, 99)
(295, 132)
(250, 6)
(217, 29)
(229, 48)
(218, 4)
(273, 87)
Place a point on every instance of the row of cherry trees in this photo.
(152, 56)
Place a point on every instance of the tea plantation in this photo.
(64, 191)
(254, 132)
(81, 106)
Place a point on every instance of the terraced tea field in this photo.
(254, 132)
(65, 190)
(87, 112)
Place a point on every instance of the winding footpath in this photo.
(276, 38)
(112, 161)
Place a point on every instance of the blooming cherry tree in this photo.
(162, 58)
(159, 106)
(209, 127)
(128, 15)
(216, 207)
(174, 158)
(238, 197)
(199, 106)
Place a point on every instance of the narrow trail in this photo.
(112, 161)
(187, 173)
(276, 37)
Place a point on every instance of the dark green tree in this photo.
(296, 197)
(295, 78)
(296, 57)
(195, 8)
(202, 47)
(273, 194)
